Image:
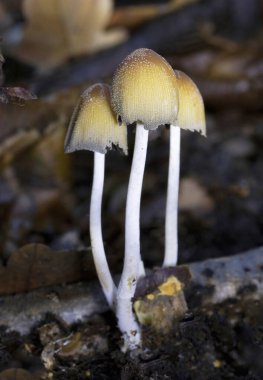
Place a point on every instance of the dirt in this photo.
(219, 342)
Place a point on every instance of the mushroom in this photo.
(56, 30)
(143, 92)
(191, 116)
(95, 127)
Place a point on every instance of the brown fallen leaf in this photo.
(15, 95)
(12, 94)
(193, 197)
(53, 165)
(35, 265)
(84, 343)
(59, 29)
(24, 127)
(17, 143)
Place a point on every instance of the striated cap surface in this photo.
(144, 90)
(191, 112)
(93, 125)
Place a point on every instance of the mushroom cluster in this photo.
(146, 91)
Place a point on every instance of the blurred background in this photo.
(54, 49)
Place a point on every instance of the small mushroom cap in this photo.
(144, 90)
(191, 113)
(93, 125)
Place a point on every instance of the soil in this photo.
(219, 342)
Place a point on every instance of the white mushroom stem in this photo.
(132, 260)
(97, 246)
(171, 219)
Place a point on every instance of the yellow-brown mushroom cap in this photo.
(191, 112)
(93, 125)
(144, 90)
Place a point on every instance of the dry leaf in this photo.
(73, 347)
(24, 127)
(12, 94)
(193, 197)
(36, 265)
(15, 95)
(59, 29)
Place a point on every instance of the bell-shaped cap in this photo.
(93, 125)
(144, 90)
(191, 112)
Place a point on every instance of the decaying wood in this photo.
(229, 277)
(71, 303)
(224, 278)
(176, 32)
